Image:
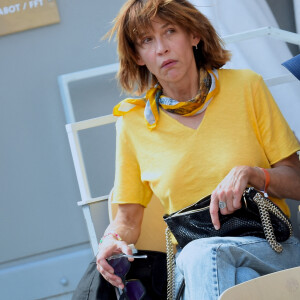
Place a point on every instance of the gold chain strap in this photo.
(264, 207)
(170, 265)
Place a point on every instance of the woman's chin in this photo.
(171, 76)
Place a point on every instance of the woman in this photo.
(199, 130)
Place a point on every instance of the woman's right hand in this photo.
(127, 223)
(111, 246)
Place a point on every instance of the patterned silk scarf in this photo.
(209, 87)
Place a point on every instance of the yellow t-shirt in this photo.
(180, 165)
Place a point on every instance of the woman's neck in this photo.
(184, 90)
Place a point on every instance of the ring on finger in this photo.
(222, 204)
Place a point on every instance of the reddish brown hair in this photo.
(136, 16)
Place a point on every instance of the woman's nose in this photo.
(161, 46)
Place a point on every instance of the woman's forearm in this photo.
(284, 182)
(284, 178)
(127, 223)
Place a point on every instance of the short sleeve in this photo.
(128, 186)
(277, 138)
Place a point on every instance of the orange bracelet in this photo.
(267, 181)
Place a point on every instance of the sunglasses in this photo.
(133, 288)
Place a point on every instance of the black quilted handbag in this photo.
(258, 216)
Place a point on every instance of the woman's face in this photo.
(167, 51)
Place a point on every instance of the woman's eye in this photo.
(170, 30)
(146, 40)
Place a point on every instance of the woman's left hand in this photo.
(284, 183)
(229, 193)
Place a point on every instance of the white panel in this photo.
(55, 276)
(67, 296)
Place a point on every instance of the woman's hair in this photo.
(136, 15)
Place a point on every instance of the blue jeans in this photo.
(209, 266)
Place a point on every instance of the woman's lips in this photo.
(168, 63)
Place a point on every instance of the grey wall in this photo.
(39, 191)
(284, 13)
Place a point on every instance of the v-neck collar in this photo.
(183, 126)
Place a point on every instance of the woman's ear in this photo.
(195, 39)
(140, 61)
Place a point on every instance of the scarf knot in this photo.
(154, 100)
